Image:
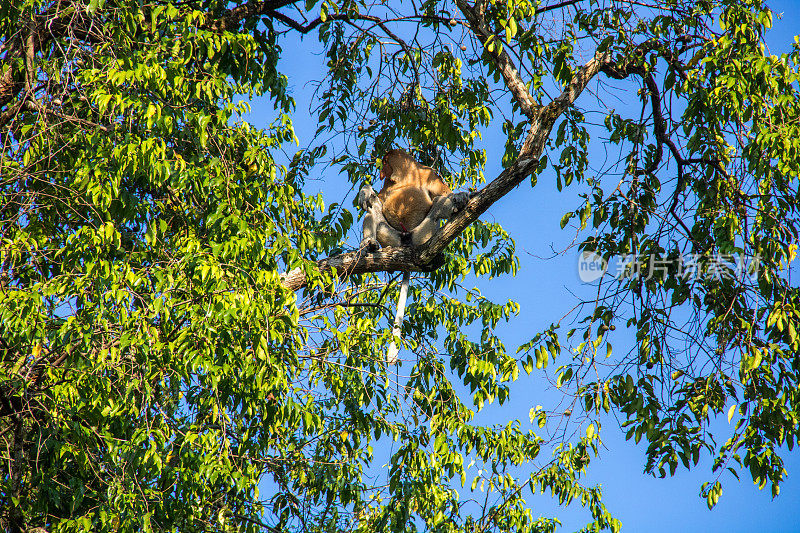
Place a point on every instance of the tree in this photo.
(186, 343)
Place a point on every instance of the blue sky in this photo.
(546, 287)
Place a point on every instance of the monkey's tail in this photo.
(391, 355)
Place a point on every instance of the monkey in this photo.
(410, 205)
(406, 212)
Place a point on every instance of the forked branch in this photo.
(423, 259)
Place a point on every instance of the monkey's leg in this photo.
(391, 355)
(387, 235)
(443, 207)
(376, 231)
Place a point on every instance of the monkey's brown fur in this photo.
(408, 209)
(408, 190)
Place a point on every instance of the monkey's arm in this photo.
(435, 185)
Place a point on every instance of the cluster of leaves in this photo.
(155, 373)
(142, 233)
(714, 186)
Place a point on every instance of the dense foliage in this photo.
(158, 373)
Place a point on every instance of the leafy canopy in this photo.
(157, 370)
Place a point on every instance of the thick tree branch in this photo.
(423, 259)
(30, 56)
(499, 187)
(504, 63)
(546, 117)
(532, 147)
(360, 262)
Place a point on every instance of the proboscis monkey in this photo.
(406, 211)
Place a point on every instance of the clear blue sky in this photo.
(546, 288)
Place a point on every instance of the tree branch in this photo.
(341, 16)
(52, 24)
(478, 204)
(349, 18)
(660, 131)
(502, 60)
(424, 258)
(231, 19)
(559, 5)
(360, 262)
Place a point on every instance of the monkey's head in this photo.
(395, 159)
